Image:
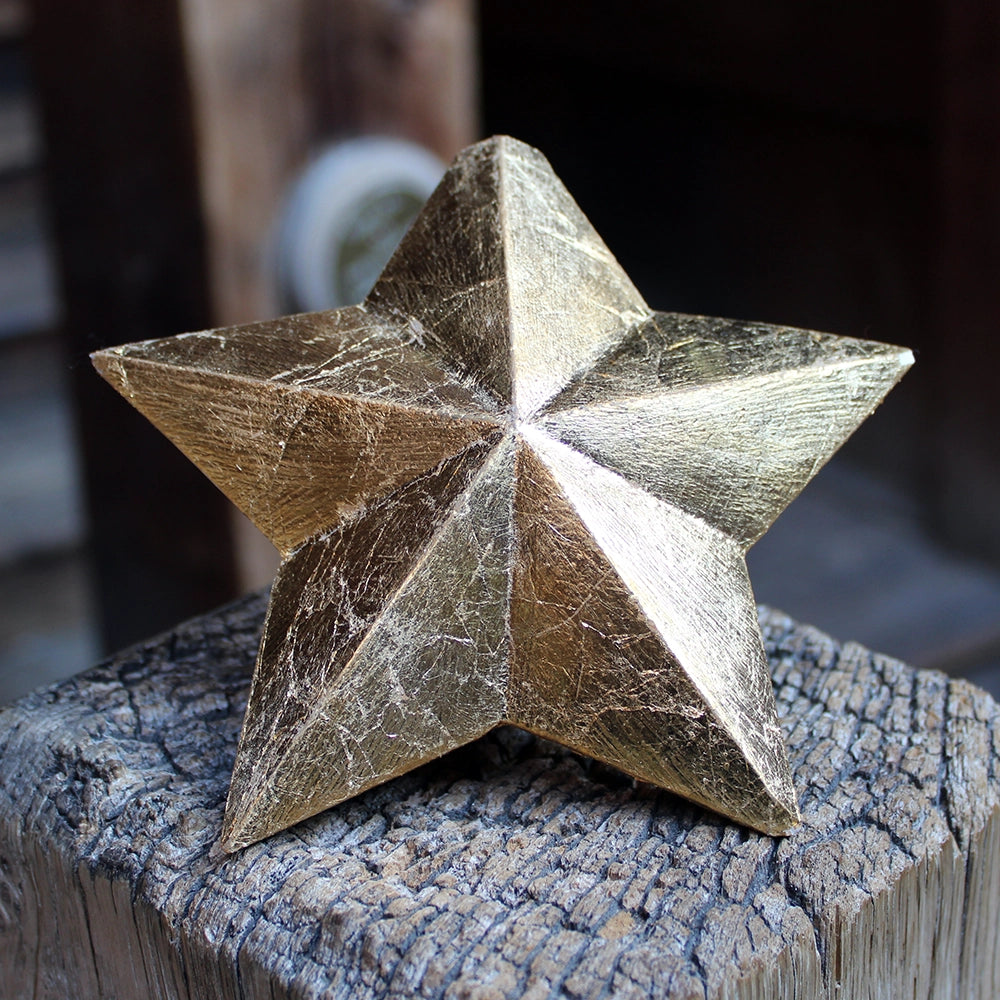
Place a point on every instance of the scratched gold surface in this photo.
(507, 491)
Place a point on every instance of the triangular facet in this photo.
(661, 675)
(446, 278)
(423, 667)
(727, 421)
(295, 459)
(570, 300)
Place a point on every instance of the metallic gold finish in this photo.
(505, 490)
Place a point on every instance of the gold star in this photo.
(506, 491)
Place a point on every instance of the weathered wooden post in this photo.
(512, 868)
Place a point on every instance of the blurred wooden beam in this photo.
(276, 79)
(124, 196)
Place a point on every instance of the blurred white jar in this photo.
(344, 217)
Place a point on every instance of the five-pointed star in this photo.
(506, 491)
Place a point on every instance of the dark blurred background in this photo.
(831, 166)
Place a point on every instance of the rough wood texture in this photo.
(511, 868)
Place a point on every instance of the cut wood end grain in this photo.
(510, 868)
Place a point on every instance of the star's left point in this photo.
(305, 420)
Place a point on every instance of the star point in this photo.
(506, 491)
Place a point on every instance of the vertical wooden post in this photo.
(506, 870)
(276, 79)
(132, 259)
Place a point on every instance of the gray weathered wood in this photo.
(512, 868)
